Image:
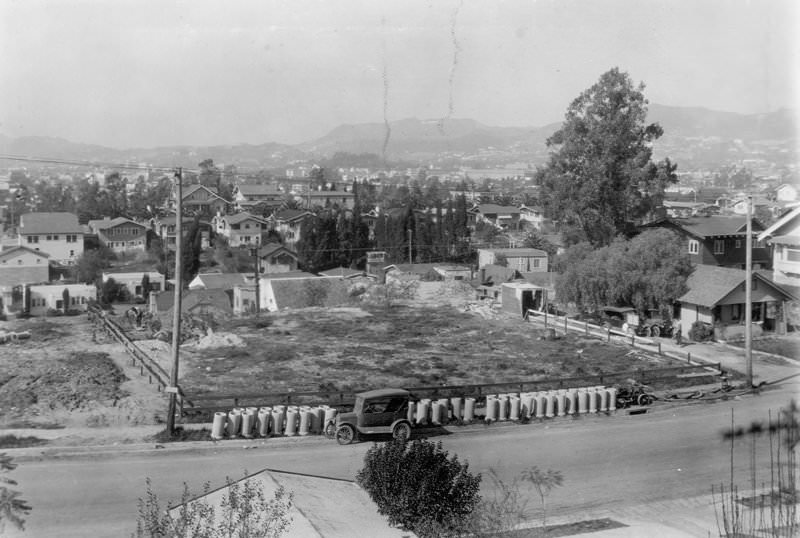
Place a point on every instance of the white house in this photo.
(786, 193)
(51, 297)
(289, 223)
(247, 196)
(23, 265)
(56, 234)
(532, 215)
(524, 260)
(784, 236)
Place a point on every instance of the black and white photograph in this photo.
(399, 269)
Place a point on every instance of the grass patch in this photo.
(566, 529)
(12, 441)
(785, 347)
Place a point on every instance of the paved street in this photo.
(610, 464)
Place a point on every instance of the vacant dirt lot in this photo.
(61, 377)
(355, 348)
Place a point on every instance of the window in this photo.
(71, 252)
(792, 255)
(536, 263)
(694, 246)
(738, 243)
(55, 238)
(719, 246)
(49, 237)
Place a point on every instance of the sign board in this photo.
(376, 257)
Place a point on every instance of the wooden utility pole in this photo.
(254, 253)
(748, 292)
(410, 253)
(176, 313)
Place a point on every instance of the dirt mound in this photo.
(213, 340)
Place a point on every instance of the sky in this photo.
(147, 73)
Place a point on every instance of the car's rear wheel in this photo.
(655, 332)
(345, 434)
(330, 430)
(644, 399)
(402, 431)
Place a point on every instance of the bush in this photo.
(419, 488)
(701, 332)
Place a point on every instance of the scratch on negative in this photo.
(453, 66)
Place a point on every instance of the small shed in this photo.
(519, 297)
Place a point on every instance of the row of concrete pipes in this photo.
(279, 420)
(515, 406)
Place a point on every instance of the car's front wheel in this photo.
(345, 434)
(402, 431)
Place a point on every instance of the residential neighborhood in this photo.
(404, 269)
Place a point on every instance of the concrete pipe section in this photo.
(583, 401)
(305, 421)
(456, 405)
(422, 411)
(262, 425)
(502, 407)
(602, 405)
(612, 398)
(218, 426)
(290, 429)
(234, 422)
(561, 399)
(592, 397)
(248, 422)
(278, 418)
(514, 408)
(491, 408)
(469, 410)
(541, 404)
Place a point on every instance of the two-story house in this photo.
(240, 229)
(56, 234)
(289, 223)
(120, 234)
(20, 266)
(166, 229)
(784, 237)
(524, 260)
(532, 215)
(198, 199)
(719, 240)
(247, 196)
(276, 258)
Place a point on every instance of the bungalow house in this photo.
(120, 234)
(718, 240)
(289, 223)
(321, 507)
(784, 237)
(220, 281)
(716, 297)
(246, 197)
(506, 217)
(198, 199)
(132, 279)
(46, 297)
(56, 234)
(524, 260)
(276, 258)
(240, 229)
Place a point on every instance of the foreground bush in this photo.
(418, 487)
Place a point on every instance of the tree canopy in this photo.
(600, 178)
(646, 272)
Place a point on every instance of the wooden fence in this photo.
(203, 405)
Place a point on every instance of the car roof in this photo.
(618, 309)
(383, 393)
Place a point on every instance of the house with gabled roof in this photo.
(219, 281)
(289, 223)
(240, 229)
(167, 229)
(784, 238)
(57, 234)
(716, 297)
(506, 217)
(198, 199)
(120, 234)
(23, 265)
(290, 290)
(524, 260)
(718, 240)
(276, 258)
(213, 303)
(247, 196)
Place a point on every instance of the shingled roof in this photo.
(709, 284)
(218, 281)
(716, 226)
(44, 223)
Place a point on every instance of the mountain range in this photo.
(414, 140)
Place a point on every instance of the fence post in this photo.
(608, 334)
(565, 324)
(689, 357)
(659, 349)
(633, 340)
(545, 319)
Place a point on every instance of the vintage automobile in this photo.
(381, 411)
(629, 321)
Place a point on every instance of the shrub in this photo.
(419, 487)
(701, 332)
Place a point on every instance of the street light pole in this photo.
(748, 294)
(176, 314)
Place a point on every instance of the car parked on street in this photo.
(382, 411)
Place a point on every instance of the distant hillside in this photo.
(420, 140)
